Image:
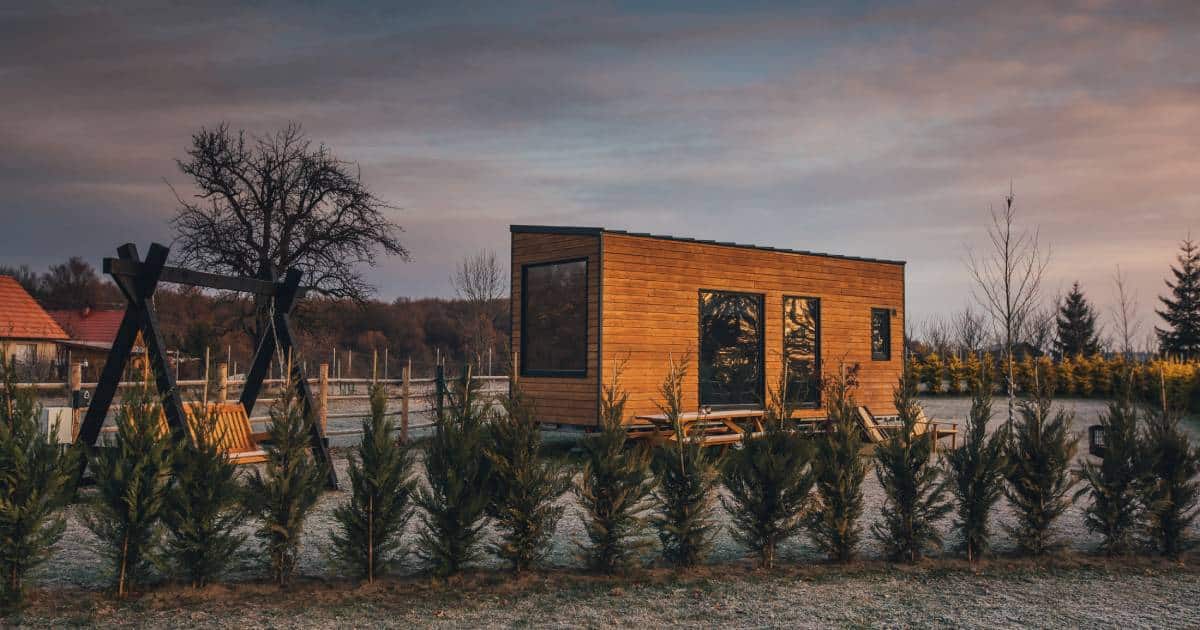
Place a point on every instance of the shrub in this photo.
(1112, 484)
(1038, 477)
(838, 472)
(914, 491)
(614, 488)
(954, 375)
(1024, 373)
(1085, 369)
(769, 481)
(283, 498)
(525, 486)
(931, 373)
(36, 480)
(371, 523)
(687, 478)
(1065, 378)
(131, 488)
(976, 469)
(1169, 493)
(203, 507)
(456, 468)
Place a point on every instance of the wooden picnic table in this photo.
(720, 427)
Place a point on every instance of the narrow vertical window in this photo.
(731, 349)
(881, 334)
(554, 319)
(802, 349)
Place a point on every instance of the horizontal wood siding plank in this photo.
(650, 311)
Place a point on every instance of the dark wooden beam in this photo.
(119, 268)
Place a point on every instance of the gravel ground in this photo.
(865, 600)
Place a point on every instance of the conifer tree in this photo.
(1076, 325)
(1024, 373)
(204, 506)
(131, 488)
(976, 470)
(614, 488)
(1169, 493)
(371, 523)
(1112, 484)
(1181, 310)
(913, 487)
(687, 478)
(954, 375)
(931, 375)
(971, 367)
(769, 481)
(457, 471)
(1065, 378)
(1046, 374)
(283, 498)
(1039, 481)
(525, 487)
(838, 472)
(36, 480)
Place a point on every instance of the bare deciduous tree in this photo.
(1007, 281)
(970, 329)
(275, 202)
(935, 332)
(1037, 328)
(480, 282)
(1124, 312)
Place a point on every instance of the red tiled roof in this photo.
(90, 326)
(21, 317)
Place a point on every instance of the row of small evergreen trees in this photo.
(1094, 376)
(183, 509)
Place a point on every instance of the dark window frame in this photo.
(762, 351)
(886, 354)
(525, 371)
(814, 404)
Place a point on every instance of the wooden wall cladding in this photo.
(650, 311)
(566, 400)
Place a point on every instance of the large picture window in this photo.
(554, 319)
(881, 334)
(731, 349)
(802, 349)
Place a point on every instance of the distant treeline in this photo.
(423, 330)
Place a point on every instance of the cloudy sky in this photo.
(866, 128)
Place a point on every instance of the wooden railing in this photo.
(413, 396)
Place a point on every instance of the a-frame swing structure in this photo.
(137, 279)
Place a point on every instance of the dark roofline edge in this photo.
(596, 231)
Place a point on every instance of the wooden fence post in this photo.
(75, 383)
(405, 374)
(440, 386)
(323, 396)
(223, 382)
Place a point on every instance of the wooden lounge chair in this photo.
(875, 431)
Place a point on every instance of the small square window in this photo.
(881, 334)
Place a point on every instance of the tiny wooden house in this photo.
(589, 301)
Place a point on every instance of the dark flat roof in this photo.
(596, 231)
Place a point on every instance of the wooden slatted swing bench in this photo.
(137, 280)
(232, 430)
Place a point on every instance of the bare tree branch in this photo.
(1007, 281)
